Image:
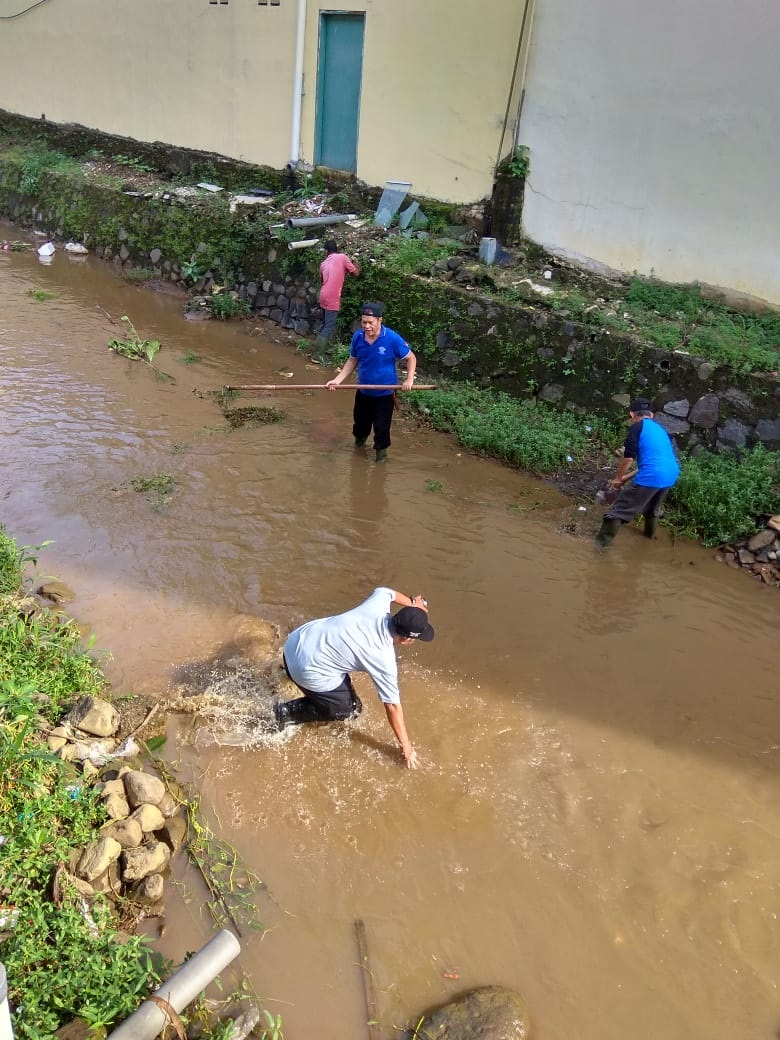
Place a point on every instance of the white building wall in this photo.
(654, 136)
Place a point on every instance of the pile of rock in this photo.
(760, 554)
(132, 852)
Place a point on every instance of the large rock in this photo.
(173, 833)
(127, 832)
(705, 412)
(148, 817)
(94, 716)
(761, 540)
(97, 857)
(117, 807)
(143, 787)
(148, 859)
(149, 890)
(490, 1013)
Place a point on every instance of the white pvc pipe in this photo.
(6, 1029)
(305, 243)
(181, 988)
(295, 130)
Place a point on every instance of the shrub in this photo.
(224, 305)
(718, 498)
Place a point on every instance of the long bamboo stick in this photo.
(339, 386)
(368, 980)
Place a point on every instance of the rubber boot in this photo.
(651, 522)
(320, 350)
(609, 528)
(360, 442)
(294, 713)
(381, 454)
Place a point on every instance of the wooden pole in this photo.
(321, 386)
(368, 980)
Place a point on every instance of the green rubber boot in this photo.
(609, 528)
(360, 442)
(651, 522)
(381, 454)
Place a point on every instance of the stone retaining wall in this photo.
(457, 329)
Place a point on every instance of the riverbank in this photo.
(82, 850)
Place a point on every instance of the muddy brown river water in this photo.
(596, 822)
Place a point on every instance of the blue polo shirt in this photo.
(651, 446)
(377, 360)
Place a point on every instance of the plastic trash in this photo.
(47, 249)
(487, 250)
(393, 195)
(77, 248)
(9, 916)
(407, 216)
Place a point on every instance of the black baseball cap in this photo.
(412, 623)
(374, 310)
(641, 405)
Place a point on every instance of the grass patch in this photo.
(190, 358)
(410, 255)
(718, 498)
(41, 295)
(675, 316)
(534, 437)
(138, 274)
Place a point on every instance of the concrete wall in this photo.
(436, 78)
(654, 131)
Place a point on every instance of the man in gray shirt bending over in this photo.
(319, 656)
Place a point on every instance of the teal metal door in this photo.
(339, 74)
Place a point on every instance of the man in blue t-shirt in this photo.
(374, 352)
(649, 448)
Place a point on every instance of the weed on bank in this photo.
(718, 498)
(64, 958)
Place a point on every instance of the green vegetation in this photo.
(718, 497)
(225, 305)
(34, 161)
(133, 346)
(41, 295)
(519, 164)
(678, 316)
(190, 358)
(67, 957)
(411, 255)
(138, 274)
(532, 436)
(63, 960)
(132, 163)
(159, 488)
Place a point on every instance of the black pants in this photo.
(376, 412)
(341, 703)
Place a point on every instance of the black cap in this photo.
(641, 405)
(373, 309)
(412, 623)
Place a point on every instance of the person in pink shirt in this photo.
(333, 270)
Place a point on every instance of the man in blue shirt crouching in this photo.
(650, 447)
